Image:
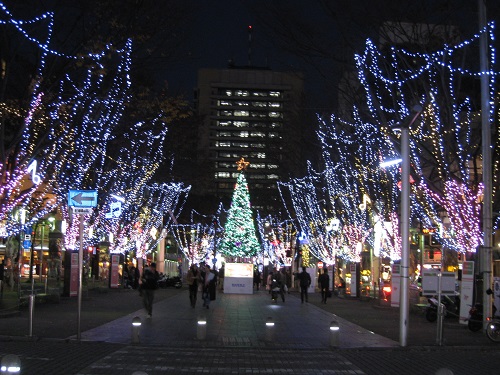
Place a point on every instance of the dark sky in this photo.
(214, 31)
(220, 33)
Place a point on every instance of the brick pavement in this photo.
(236, 340)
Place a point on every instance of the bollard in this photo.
(334, 334)
(201, 330)
(11, 364)
(136, 329)
(269, 329)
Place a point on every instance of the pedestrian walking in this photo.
(220, 280)
(282, 283)
(304, 282)
(193, 277)
(269, 281)
(209, 286)
(256, 279)
(324, 284)
(149, 283)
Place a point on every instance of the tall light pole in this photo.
(404, 301)
(486, 253)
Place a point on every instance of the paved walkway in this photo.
(236, 340)
(238, 321)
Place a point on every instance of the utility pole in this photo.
(486, 254)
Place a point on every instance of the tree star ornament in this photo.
(242, 164)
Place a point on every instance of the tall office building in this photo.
(252, 113)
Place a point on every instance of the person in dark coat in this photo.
(209, 286)
(305, 282)
(324, 284)
(149, 284)
(193, 277)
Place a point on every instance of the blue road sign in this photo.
(82, 198)
(26, 244)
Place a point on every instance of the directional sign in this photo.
(82, 198)
(115, 210)
(82, 210)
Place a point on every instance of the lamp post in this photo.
(404, 300)
(404, 307)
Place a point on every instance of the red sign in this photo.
(115, 276)
(73, 283)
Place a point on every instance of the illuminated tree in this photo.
(445, 140)
(278, 239)
(240, 239)
(199, 240)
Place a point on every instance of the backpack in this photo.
(274, 284)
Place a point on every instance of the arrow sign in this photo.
(82, 198)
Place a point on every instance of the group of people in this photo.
(130, 276)
(277, 286)
(205, 277)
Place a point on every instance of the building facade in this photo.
(252, 113)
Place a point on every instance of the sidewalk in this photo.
(237, 340)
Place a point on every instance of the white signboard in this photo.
(238, 278)
(354, 280)
(466, 291)
(496, 294)
(312, 272)
(430, 283)
(396, 285)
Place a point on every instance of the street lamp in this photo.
(404, 301)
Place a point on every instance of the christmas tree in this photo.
(240, 239)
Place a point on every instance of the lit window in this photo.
(275, 114)
(275, 94)
(272, 166)
(275, 124)
(224, 123)
(257, 165)
(229, 93)
(241, 113)
(224, 102)
(243, 134)
(224, 134)
(240, 144)
(226, 113)
(222, 175)
(258, 145)
(241, 124)
(272, 177)
(261, 155)
(274, 105)
(273, 135)
(259, 104)
(258, 134)
(222, 144)
(259, 114)
(243, 104)
(242, 93)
